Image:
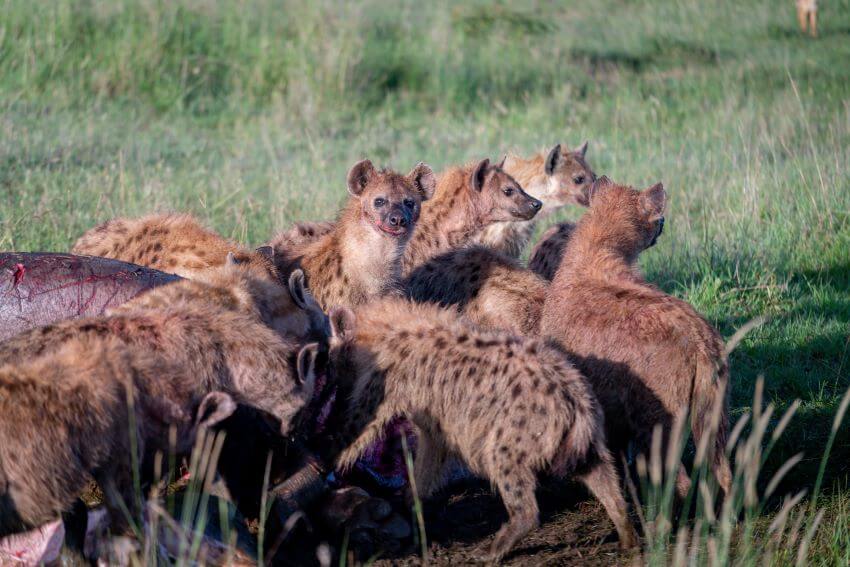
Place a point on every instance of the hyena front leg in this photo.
(368, 434)
(516, 487)
(429, 463)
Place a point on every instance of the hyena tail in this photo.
(583, 432)
(710, 415)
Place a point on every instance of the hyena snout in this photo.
(528, 207)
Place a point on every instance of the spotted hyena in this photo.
(649, 356)
(557, 177)
(93, 407)
(173, 243)
(509, 407)
(490, 289)
(547, 253)
(360, 259)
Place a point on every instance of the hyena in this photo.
(360, 259)
(509, 407)
(288, 244)
(222, 329)
(649, 356)
(490, 289)
(467, 200)
(547, 253)
(82, 411)
(558, 178)
(807, 15)
(173, 243)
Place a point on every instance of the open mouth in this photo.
(393, 231)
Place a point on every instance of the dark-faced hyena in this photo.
(83, 411)
(222, 329)
(559, 177)
(509, 407)
(173, 243)
(467, 199)
(650, 356)
(360, 258)
(547, 253)
(489, 289)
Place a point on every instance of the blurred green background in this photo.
(249, 114)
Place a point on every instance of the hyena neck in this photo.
(455, 217)
(371, 260)
(529, 173)
(591, 255)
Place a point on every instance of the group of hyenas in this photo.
(413, 303)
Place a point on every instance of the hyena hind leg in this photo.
(600, 478)
(516, 487)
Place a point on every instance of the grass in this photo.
(249, 114)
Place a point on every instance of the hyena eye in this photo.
(578, 179)
(409, 203)
(508, 191)
(380, 202)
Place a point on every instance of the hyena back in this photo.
(509, 407)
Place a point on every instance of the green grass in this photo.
(250, 113)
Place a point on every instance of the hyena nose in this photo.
(536, 204)
(398, 220)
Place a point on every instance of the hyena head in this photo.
(256, 286)
(628, 220)
(498, 195)
(390, 202)
(568, 177)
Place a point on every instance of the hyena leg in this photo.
(516, 487)
(429, 463)
(813, 23)
(369, 434)
(802, 17)
(601, 480)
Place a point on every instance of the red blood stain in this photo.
(18, 275)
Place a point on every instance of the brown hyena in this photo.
(173, 243)
(467, 199)
(509, 407)
(224, 332)
(650, 357)
(547, 253)
(489, 289)
(558, 178)
(93, 408)
(360, 258)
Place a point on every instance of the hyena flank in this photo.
(490, 289)
(67, 416)
(467, 200)
(173, 243)
(649, 356)
(222, 329)
(507, 406)
(559, 177)
(547, 253)
(360, 259)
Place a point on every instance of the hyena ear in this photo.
(582, 149)
(214, 408)
(342, 321)
(423, 178)
(502, 163)
(654, 200)
(306, 367)
(479, 174)
(230, 260)
(359, 176)
(587, 193)
(552, 159)
(266, 252)
(298, 288)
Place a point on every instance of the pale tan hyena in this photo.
(489, 289)
(558, 178)
(174, 243)
(509, 407)
(547, 253)
(650, 356)
(360, 259)
(93, 407)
